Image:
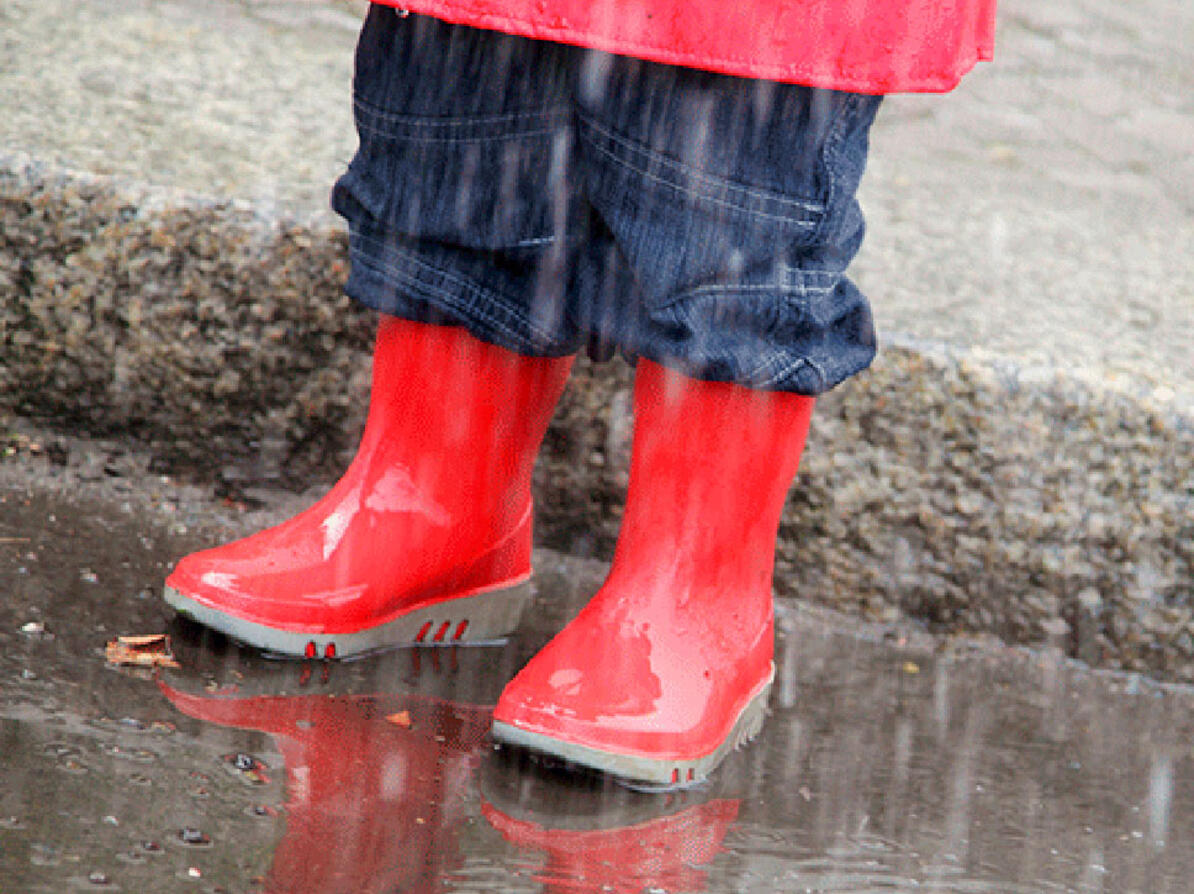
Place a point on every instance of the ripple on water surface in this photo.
(884, 767)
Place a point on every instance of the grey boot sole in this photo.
(646, 773)
(485, 617)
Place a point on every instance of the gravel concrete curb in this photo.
(950, 486)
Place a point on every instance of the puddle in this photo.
(884, 767)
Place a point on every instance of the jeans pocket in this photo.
(484, 185)
(682, 230)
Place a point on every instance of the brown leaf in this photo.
(402, 719)
(152, 650)
(149, 640)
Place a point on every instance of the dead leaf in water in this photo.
(152, 650)
(401, 718)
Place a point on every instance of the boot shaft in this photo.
(710, 469)
(465, 416)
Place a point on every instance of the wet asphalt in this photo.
(891, 761)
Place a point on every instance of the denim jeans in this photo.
(551, 198)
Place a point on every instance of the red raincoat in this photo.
(865, 46)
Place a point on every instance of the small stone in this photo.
(193, 837)
(1056, 631)
(1090, 601)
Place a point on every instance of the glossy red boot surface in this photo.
(427, 536)
(668, 667)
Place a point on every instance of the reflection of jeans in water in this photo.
(551, 198)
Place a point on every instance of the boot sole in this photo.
(477, 619)
(640, 772)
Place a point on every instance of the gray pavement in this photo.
(1045, 211)
(234, 100)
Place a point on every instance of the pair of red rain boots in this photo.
(427, 540)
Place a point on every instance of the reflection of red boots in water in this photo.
(427, 536)
(373, 803)
(661, 853)
(668, 667)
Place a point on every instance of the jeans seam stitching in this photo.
(830, 152)
(812, 209)
(783, 372)
(435, 293)
(783, 291)
(791, 369)
(710, 199)
(697, 173)
(375, 111)
(417, 138)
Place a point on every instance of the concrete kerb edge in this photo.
(947, 485)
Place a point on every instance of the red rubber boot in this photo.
(426, 538)
(668, 667)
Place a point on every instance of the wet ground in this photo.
(891, 761)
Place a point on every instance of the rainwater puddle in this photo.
(884, 767)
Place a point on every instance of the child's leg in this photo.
(427, 537)
(730, 207)
(461, 194)
(669, 666)
(732, 204)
